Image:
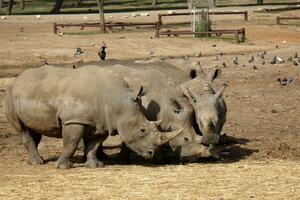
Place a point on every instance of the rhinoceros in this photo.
(165, 101)
(89, 103)
(209, 106)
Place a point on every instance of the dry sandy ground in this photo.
(261, 112)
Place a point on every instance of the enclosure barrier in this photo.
(278, 19)
(109, 25)
(245, 13)
(236, 32)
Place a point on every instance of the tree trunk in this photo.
(57, 6)
(212, 3)
(101, 15)
(22, 4)
(10, 7)
(260, 2)
(154, 3)
(1, 4)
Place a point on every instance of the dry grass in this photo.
(275, 179)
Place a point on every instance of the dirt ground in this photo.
(262, 113)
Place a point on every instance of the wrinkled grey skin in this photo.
(165, 101)
(210, 108)
(89, 103)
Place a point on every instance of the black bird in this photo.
(254, 67)
(74, 67)
(251, 59)
(224, 64)
(78, 51)
(235, 61)
(101, 52)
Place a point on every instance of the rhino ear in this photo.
(214, 74)
(142, 92)
(177, 107)
(190, 96)
(195, 70)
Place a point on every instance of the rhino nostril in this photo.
(150, 152)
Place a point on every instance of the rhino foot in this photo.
(94, 163)
(36, 161)
(64, 164)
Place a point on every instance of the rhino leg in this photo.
(31, 140)
(72, 133)
(91, 146)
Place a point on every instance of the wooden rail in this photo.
(110, 25)
(245, 13)
(278, 19)
(236, 32)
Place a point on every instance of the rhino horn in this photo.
(167, 136)
(198, 139)
(190, 95)
(157, 123)
(220, 92)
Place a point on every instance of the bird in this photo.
(74, 67)
(216, 58)
(262, 53)
(290, 59)
(78, 51)
(235, 60)
(101, 51)
(224, 64)
(251, 59)
(45, 62)
(277, 60)
(254, 67)
(295, 63)
(296, 55)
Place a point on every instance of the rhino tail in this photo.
(10, 112)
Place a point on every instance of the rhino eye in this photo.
(186, 139)
(176, 111)
(142, 130)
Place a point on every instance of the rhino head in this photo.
(209, 106)
(188, 144)
(139, 134)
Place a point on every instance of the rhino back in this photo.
(47, 96)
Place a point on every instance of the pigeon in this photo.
(296, 55)
(45, 62)
(277, 60)
(162, 58)
(224, 64)
(295, 63)
(199, 54)
(78, 51)
(235, 61)
(186, 57)
(262, 53)
(290, 59)
(101, 51)
(251, 59)
(216, 58)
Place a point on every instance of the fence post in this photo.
(55, 28)
(159, 19)
(277, 20)
(246, 16)
(157, 29)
